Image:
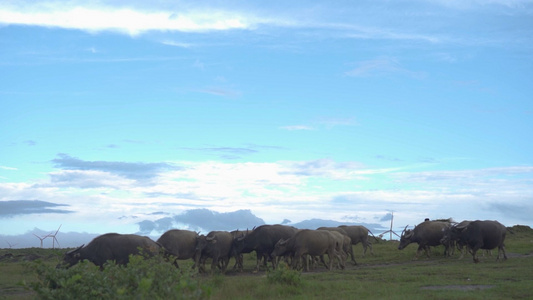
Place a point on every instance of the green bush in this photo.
(284, 275)
(141, 279)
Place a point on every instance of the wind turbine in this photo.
(41, 238)
(390, 231)
(11, 245)
(54, 239)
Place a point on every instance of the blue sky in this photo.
(122, 112)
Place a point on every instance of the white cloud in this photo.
(87, 179)
(476, 4)
(297, 127)
(358, 32)
(134, 21)
(8, 168)
(135, 170)
(92, 50)
(333, 122)
(446, 57)
(297, 190)
(381, 67)
(176, 44)
(138, 18)
(326, 168)
(327, 123)
(221, 91)
(470, 176)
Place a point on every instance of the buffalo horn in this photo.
(405, 229)
(461, 227)
(75, 250)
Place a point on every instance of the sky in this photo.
(135, 116)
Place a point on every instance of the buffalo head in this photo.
(405, 239)
(71, 258)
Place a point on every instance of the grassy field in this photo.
(388, 274)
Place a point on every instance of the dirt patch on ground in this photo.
(512, 255)
(467, 287)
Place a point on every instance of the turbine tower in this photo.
(390, 231)
(54, 239)
(41, 238)
(11, 245)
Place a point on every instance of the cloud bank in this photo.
(139, 17)
(202, 220)
(266, 192)
(24, 207)
(133, 19)
(129, 170)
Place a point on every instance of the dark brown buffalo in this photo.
(239, 258)
(477, 235)
(217, 246)
(452, 238)
(425, 234)
(262, 240)
(112, 247)
(181, 244)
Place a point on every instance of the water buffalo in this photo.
(313, 243)
(181, 244)
(239, 259)
(112, 246)
(477, 235)
(425, 234)
(347, 243)
(359, 234)
(452, 238)
(217, 246)
(262, 240)
(342, 244)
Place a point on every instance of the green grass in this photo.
(14, 270)
(393, 274)
(388, 274)
(403, 280)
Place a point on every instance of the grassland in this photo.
(388, 274)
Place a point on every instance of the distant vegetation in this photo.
(389, 274)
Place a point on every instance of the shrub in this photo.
(141, 279)
(284, 275)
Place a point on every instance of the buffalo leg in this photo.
(366, 245)
(352, 255)
(474, 252)
(418, 252)
(341, 256)
(502, 249)
(258, 260)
